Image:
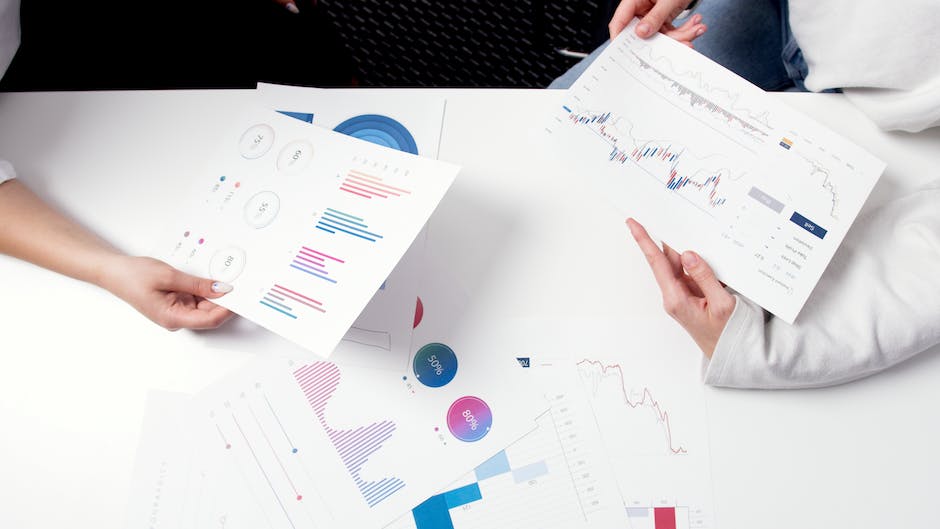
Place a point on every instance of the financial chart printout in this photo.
(305, 223)
(281, 444)
(708, 162)
(405, 121)
(652, 414)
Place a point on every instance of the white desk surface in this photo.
(77, 363)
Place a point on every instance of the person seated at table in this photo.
(887, 66)
(878, 303)
(32, 230)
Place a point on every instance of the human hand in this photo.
(288, 5)
(658, 15)
(170, 298)
(692, 294)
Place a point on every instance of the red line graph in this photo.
(646, 399)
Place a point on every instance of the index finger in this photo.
(659, 263)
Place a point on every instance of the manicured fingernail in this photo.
(292, 7)
(643, 29)
(221, 288)
(699, 32)
(689, 260)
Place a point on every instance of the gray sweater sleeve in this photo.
(6, 171)
(877, 304)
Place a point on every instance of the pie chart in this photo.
(381, 130)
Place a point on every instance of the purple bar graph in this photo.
(319, 381)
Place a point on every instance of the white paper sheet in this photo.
(360, 442)
(650, 408)
(381, 336)
(178, 481)
(306, 224)
(407, 121)
(557, 476)
(711, 163)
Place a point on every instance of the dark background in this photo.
(106, 44)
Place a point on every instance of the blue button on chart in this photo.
(808, 225)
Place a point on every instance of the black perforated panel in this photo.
(470, 43)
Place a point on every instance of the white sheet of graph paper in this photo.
(305, 223)
(709, 162)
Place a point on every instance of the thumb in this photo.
(622, 16)
(720, 302)
(197, 286)
(661, 13)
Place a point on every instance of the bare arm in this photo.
(33, 231)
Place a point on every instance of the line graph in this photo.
(823, 175)
(597, 372)
(259, 445)
(721, 106)
(695, 178)
(319, 381)
(264, 473)
(274, 452)
(655, 430)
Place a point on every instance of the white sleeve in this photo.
(910, 110)
(6, 171)
(877, 304)
(9, 32)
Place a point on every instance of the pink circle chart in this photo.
(469, 419)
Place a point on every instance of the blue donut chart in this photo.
(381, 130)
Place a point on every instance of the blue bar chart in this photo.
(336, 222)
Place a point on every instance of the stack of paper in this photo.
(310, 226)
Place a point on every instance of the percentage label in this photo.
(469, 419)
(435, 365)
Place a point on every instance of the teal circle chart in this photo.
(435, 365)
(381, 130)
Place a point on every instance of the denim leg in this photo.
(745, 36)
(568, 78)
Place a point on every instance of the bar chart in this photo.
(365, 185)
(317, 263)
(355, 446)
(336, 222)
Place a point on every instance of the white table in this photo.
(77, 363)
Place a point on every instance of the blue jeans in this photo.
(752, 38)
